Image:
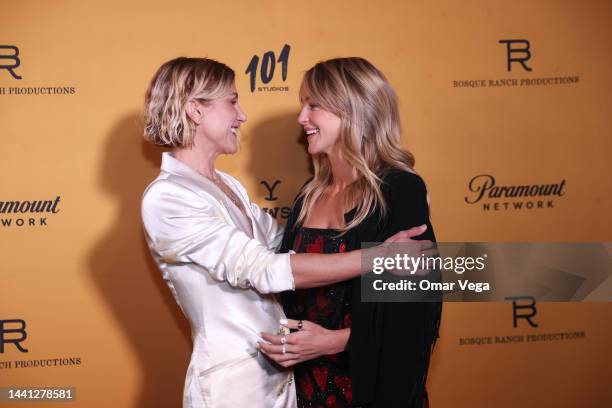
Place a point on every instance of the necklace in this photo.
(228, 193)
(234, 199)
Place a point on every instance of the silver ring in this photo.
(283, 339)
(283, 349)
(300, 325)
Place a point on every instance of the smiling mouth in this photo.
(312, 132)
(234, 130)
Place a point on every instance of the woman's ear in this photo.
(194, 112)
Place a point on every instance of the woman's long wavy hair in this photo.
(354, 90)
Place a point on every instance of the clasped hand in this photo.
(311, 341)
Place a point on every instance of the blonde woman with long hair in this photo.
(215, 248)
(364, 189)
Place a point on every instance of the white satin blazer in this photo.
(223, 280)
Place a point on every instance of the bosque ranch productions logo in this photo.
(10, 68)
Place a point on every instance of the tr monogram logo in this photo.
(9, 334)
(530, 308)
(13, 56)
(513, 48)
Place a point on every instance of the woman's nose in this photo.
(302, 117)
(241, 115)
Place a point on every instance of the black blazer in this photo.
(390, 343)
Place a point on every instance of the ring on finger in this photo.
(283, 349)
(300, 325)
(283, 339)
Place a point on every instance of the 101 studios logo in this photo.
(274, 211)
(266, 70)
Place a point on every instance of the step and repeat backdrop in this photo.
(493, 95)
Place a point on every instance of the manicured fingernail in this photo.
(283, 321)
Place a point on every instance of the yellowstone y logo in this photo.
(276, 211)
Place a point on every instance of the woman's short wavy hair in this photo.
(175, 83)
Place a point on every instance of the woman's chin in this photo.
(232, 144)
(312, 150)
(231, 149)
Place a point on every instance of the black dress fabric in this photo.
(323, 381)
(390, 344)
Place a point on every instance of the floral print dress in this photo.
(324, 381)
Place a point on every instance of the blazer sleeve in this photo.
(407, 204)
(270, 227)
(408, 329)
(184, 227)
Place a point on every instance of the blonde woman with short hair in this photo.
(214, 247)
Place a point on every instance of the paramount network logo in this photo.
(20, 213)
(484, 189)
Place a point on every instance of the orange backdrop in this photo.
(81, 278)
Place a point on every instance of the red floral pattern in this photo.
(331, 401)
(324, 381)
(347, 320)
(320, 376)
(306, 386)
(316, 247)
